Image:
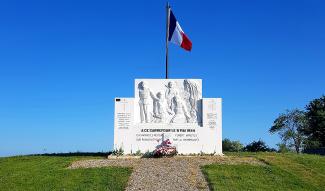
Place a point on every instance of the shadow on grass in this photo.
(94, 154)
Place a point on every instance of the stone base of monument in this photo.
(168, 109)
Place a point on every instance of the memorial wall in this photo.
(168, 109)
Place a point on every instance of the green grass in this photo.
(50, 173)
(281, 172)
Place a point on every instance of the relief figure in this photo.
(180, 112)
(170, 93)
(158, 108)
(193, 96)
(144, 94)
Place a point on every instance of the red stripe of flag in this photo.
(186, 43)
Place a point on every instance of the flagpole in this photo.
(167, 32)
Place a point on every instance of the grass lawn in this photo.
(50, 173)
(281, 172)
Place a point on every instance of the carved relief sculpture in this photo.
(193, 96)
(180, 112)
(159, 108)
(144, 94)
(178, 105)
(170, 93)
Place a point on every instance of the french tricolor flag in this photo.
(176, 34)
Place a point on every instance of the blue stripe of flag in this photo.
(172, 25)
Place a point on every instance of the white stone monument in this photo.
(168, 109)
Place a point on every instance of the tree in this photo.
(231, 146)
(289, 126)
(258, 146)
(315, 131)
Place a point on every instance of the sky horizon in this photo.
(62, 63)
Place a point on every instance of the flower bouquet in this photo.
(165, 149)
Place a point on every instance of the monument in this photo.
(171, 109)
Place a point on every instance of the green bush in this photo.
(118, 152)
(282, 148)
(258, 146)
(231, 146)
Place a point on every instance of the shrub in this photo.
(282, 148)
(311, 144)
(138, 153)
(258, 146)
(118, 152)
(231, 146)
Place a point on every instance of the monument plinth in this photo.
(168, 109)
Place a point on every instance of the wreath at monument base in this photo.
(165, 149)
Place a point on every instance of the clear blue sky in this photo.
(63, 62)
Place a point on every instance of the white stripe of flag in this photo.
(177, 35)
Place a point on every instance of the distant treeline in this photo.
(254, 146)
(104, 154)
(299, 130)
